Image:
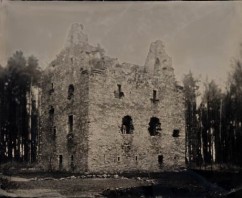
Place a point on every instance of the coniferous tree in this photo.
(16, 80)
(233, 107)
(210, 118)
(192, 134)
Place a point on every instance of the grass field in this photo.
(165, 184)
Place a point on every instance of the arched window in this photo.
(154, 126)
(127, 125)
(70, 92)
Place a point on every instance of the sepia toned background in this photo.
(201, 36)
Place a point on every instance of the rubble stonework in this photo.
(94, 92)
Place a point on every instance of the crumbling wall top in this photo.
(79, 54)
(76, 36)
(157, 59)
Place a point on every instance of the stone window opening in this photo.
(54, 132)
(118, 159)
(72, 162)
(51, 110)
(154, 126)
(51, 88)
(176, 133)
(156, 66)
(70, 123)
(119, 94)
(60, 161)
(157, 61)
(154, 99)
(160, 159)
(51, 113)
(136, 158)
(70, 92)
(127, 147)
(127, 125)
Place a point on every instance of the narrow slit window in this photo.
(154, 94)
(51, 88)
(72, 162)
(119, 88)
(119, 93)
(157, 61)
(51, 114)
(70, 92)
(51, 110)
(60, 161)
(160, 159)
(154, 99)
(54, 132)
(70, 123)
(118, 159)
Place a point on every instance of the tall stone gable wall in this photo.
(96, 143)
(109, 149)
(61, 73)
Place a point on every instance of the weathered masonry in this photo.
(102, 116)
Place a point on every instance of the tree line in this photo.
(214, 127)
(18, 114)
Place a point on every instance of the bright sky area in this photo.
(199, 36)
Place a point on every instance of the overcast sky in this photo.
(199, 36)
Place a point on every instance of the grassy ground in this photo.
(27, 182)
(166, 184)
(88, 187)
(81, 187)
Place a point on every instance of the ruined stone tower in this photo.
(102, 116)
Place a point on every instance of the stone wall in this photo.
(69, 68)
(109, 149)
(96, 143)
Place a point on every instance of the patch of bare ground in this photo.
(166, 184)
(75, 187)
